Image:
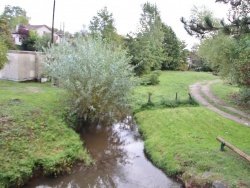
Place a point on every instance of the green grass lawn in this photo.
(224, 92)
(183, 140)
(170, 84)
(33, 133)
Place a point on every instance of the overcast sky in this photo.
(76, 13)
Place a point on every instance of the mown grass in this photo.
(171, 83)
(182, 141)
(33, 133)
(225, 93)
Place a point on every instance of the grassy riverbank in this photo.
(33, 134)
(183, 140)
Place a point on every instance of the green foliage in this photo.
(244, 96)
(241, 61)
(182, 67)
(150, 79)
(3, 53)
(103, 25)
(216, 51)
(15, 15)
(228, 56)
(155, 45)
(171, 49)
(146, 46)
(98, 78)
(33, 134)
(29, 43)
(202, 23)
(42, 43)
(184, 53)
(5, 33)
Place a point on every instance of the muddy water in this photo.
(120, 162)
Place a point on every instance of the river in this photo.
(120, 162)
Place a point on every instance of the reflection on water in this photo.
(120, 162)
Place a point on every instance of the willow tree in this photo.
(98, 78)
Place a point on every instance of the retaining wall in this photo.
(23, 66)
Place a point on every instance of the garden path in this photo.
(201, 91)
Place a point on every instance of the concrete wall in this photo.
(23, 65)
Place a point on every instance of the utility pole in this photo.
(52, 33)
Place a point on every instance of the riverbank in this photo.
(33, 133)
(182, 141)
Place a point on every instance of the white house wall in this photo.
(16, 39)
(42, 30)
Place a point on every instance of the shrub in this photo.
(151, 79)
(99, 79)
(245, 95)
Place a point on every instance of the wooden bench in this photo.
(233, 148)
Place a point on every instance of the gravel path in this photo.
(199, 89)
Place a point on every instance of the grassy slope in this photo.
(33, 133)
(224, 92)
(184, 139)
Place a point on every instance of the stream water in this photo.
(120, 162)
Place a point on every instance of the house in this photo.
(40, 29)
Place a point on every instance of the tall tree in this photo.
(103, 25)
(171, 49)
(147, 45)
(197, 61)
(184, 52)
(5, 33)
(15, 15)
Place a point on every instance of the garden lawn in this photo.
(182, 141)
(33, 133)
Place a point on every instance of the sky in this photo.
(76, 13)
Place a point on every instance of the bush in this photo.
(151, 79)
(245, 95)
(99, 79)
(182, 67)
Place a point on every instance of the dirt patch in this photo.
(34, 89)
(4, 120)
(199, 89)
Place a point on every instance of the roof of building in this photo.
(35, 27)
